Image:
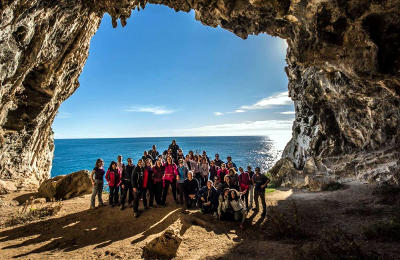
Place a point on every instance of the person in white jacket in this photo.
(231, 204)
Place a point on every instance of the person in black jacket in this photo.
(174, 147)
(126, 186)
(154, 153)
(208, 199)
(190, 188)
(260, 182)
(137, 186)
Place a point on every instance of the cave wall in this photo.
(343, 68)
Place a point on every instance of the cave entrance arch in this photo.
(343, 74)
(169, 67)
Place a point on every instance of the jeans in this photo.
(246, 198)
(140, 193)
(113, 197)
(165, 190)
(127, 190)
(251, 195)
(260, 194)
(97, 190)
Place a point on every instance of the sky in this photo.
(166, 74)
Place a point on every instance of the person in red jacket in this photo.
(244, 183)
(222, 172)
(113, 177)
(158, 172)
(170, 172)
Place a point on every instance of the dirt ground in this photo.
(76, 232)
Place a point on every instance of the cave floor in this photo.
(76, 232)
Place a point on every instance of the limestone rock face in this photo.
(343, 68)
(66, 186)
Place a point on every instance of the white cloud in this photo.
(156, 110)
(218, 114)
(239, 111)
(288, 113)
(280, 131)
(63, 115)
(280, 99)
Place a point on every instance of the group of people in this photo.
(213, 186)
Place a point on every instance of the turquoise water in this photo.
(77, 154)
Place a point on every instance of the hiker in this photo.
(205, 156)
(229, 160)
(180, 155)
(230, 206)
(213, 171)
(126, 186)
(158, 173)
(251, 187)
(180, 179)
(147, 183)
(169, 176)
(191, 188)
(154, 153)
(225, 184)
(137, 186)
(186, 162)
(217, 161)
(222, 172)
(260, 182)
(174, 148)
(146, 156)
(121, 167)
(204, 170)
(244, 182)
(233, 179)
(208, 199)
(97, 181)
(113, 177)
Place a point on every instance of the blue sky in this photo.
(166, 74)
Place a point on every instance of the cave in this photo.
(343, 69)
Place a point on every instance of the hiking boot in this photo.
(122, 207)
(92, 207)
(136, 215)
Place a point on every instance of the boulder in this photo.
(66, 186)
(283, 173)
(7, 187)
(318, 182)
(164, 246)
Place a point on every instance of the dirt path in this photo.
(79, 233)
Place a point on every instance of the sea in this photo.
(72, 155)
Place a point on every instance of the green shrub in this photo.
(384, 230)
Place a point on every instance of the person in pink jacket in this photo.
(169, 179)
(113, 177)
